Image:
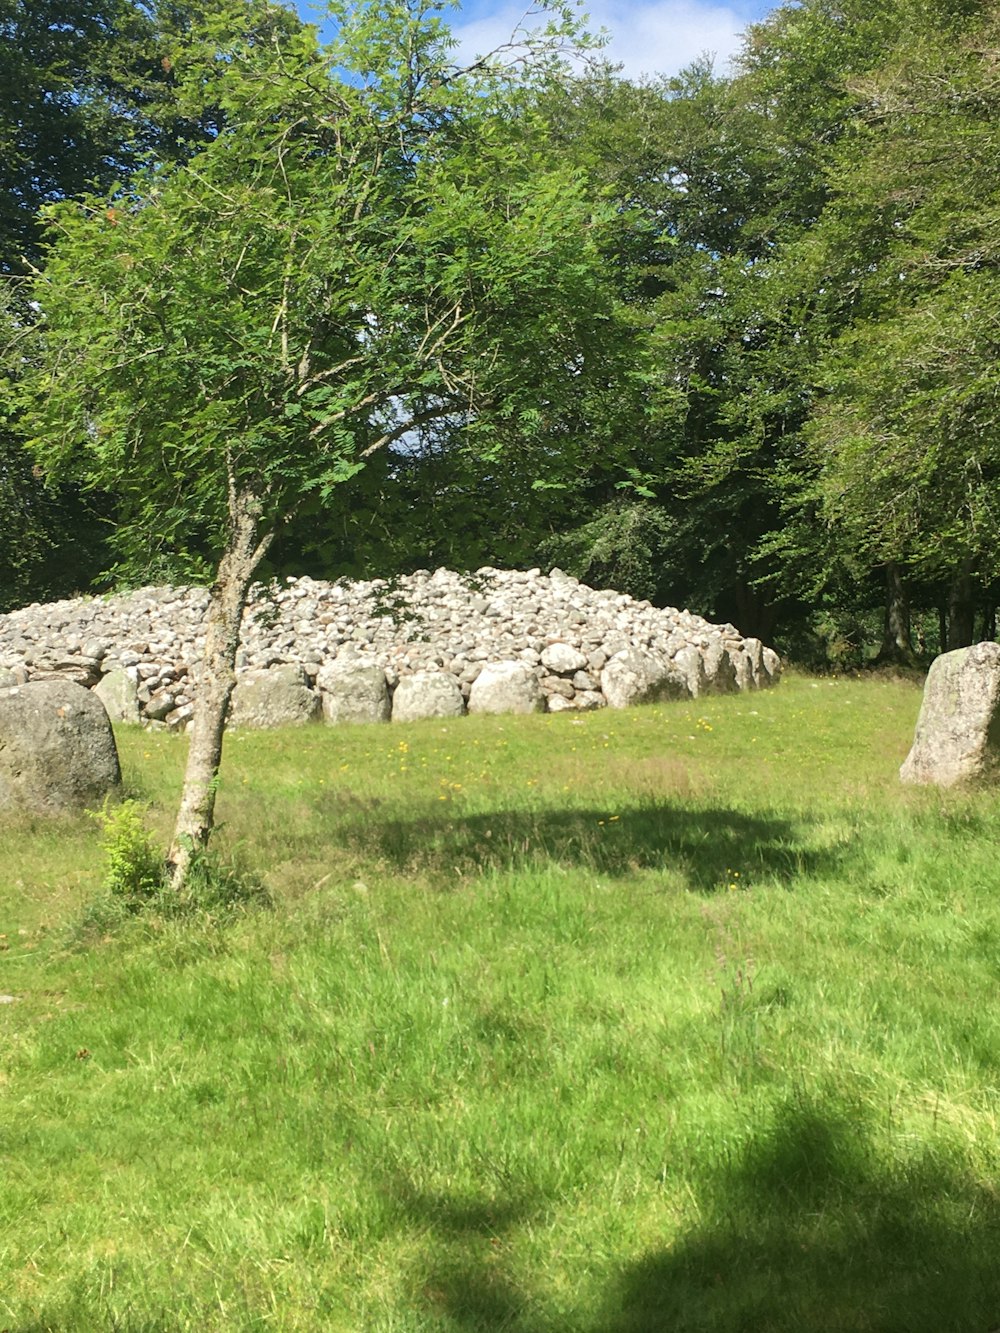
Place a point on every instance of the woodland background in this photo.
(792, 420)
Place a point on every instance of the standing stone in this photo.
(119, 694)
(749, 664)
(277, 697)
(427, 694)
(506, 687)
(354, 691)
(57, 750)
(958, 731)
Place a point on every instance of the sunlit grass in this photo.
(678, 1018)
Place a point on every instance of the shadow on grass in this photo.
(464, 1280)
(809, 1230)
(699, 845)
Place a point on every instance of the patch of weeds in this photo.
(134, 868)
(136, 879)
(219, 888)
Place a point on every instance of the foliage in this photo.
(319, 281)
(134, 870)
(515, 305)
(906, 431)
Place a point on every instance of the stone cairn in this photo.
(425, 644)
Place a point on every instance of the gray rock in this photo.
(57, 750)
(957, 738)
(159, 705)
(719, 669)
(770, 673)
(558, 703)
(506, 687)
(427, 694)
(276, 697)
(587, 700)
(354, 691)
(748, 661)
(118, 693)
(436, 622)
(562, 659)
(634, 677)
(689, 665)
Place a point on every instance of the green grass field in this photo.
(684, 1018)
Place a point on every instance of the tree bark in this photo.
(215, 683)
(897, 640)
(961, 610)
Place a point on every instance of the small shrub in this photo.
(134, 868)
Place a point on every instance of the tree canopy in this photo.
(718, 339)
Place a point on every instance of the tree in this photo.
(371, 250)
(88, 91)
(906, 432)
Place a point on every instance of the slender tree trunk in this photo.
(961, 610)
(897, 641)
(215, 682)
(989, 623)
(942, 628)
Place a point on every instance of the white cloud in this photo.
(651, 37)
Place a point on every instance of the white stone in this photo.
(277, 697)
(427, 694)
(354, 691)
(506, 687)
(562, 659)
(634, 677)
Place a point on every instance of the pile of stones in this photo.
(425, 644)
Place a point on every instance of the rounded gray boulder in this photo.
(427, 694)
(506, 687)
(354, 691)
(276, 697)
(57, 749)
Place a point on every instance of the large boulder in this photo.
(957, 738)
(689, 666)
(506, 687)
(634, 677)
(354, 691)
(277, 697)
(57, 750)
(749, 664)
(427, 694)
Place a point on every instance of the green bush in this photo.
(134, 866)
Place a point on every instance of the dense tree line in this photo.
(785, 412)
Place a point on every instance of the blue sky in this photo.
(647, 36)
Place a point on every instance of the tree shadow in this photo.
(809, 1230)
(464, 1280)
(699, 845)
